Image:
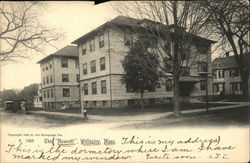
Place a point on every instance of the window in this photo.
(51, 93)
(103, 87)
(219, 87)
(84, 51)
(47, 79)
(127, 40)
(236, 86)
(104, 103)
(185, 71)
(77, 77)
(169, 85)
(47, 93)
(101, 40)
(44, 93)
(66, 92)
(93, 66)
(234, 72)
(64, 62)
(50, 65)
(92, 45)
(202, 67)
(86, 103)
(52, 105)
(46, 67)
(77, 63)
(102, 63)
(220, 73)
(215, 87)
(202, 85)
(85, 89)
(51, 78)
(185, 52)
(43, 80)
(65, 77)
(168, 64)
(94, 103)
(94, 90)
(214, 74)
(85, 70)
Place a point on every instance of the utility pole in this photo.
(206, 83)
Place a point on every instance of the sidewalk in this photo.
(141, 117)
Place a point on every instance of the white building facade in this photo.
(60, 79)
(101, 52)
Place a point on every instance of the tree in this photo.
(9, 95)
(21, 30)
(139, 73)
(29, 92)
(230, 22)
(176, 24)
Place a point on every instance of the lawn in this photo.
(214, 118)
(137, 110)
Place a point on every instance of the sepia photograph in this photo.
(124, 81)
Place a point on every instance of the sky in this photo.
(75, 19)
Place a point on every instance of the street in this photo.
(236, 116)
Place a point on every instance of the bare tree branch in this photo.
(21, 29)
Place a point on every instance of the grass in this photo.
(214, 118)
(137, 110)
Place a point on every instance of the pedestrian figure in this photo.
(15, 107)
(23, 106)
(85, 114)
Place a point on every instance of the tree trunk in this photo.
(142, 103)
(176, 63)
(177, 111)
(245, 93)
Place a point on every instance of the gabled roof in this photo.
(226, 62)
(67, 51)
(123, 20)
(119, 20)
(127, 21)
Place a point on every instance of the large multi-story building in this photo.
(227, 80)
(101, 52)
(60, 78)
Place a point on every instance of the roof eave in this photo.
(44, 59)
(80, 39)
(55, 55)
